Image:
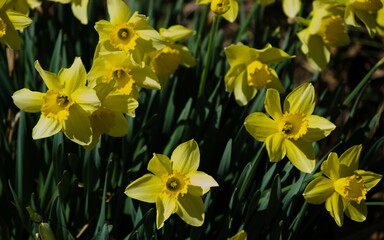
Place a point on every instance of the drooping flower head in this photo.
(66, 106)
(124, 33)
(167, 60)
(344, 187)
(290, 132)
(10, 22)
(326, 29)
(249, 71)
(229, 9)
(109, 118)
(174, 185)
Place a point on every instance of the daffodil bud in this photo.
(220, 7)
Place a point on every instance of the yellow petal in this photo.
(334, 205)
(301, 154)
(272, 104)
(202, 180)
(203, 1)
(103, 28)
(87, 99)
(191, 210)
(318, 190)
(92, 145)
(11, 38)
(146, 78)
(176, 33)
(50, 79)
(79, 9)
(27, 100)
(187, 60)
(120, 103)
(242, 91)
(349, 160)
(145, 188)
(242, 235)
(120, 126)
(234, 72)
(317, 53)
(160, 165)
(330, 167)
(369, 21)
(233, 11)
(186, 157)
(45, 127)
(73, 77)
(275, 82)
(276, 147)
(291, 7)
(118, 11)
(301, 99)
(240, 54)
(318, 128)
(260, 126)
(165, 206)
(370, 178)
(78, 127)
(356, 212)
(19, 20)
(269, 54)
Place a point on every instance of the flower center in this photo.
(56, 105)
(293, 125)
(3, 27)
(258, 74)
(102, 120)
(220, 6)
(123, 78)
(166, 61)
(368, 5)
(124, 37)
(351, 188)
(175, 184)
(332, 30)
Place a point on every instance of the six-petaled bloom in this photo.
(290, 132)
(344, 187)
(174, 185)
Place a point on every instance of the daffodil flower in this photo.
(249, 71)
(10, 22)
(79, 9)
(344, 187)
(125, 33)
(166, 61)
(365, 10)
(66, 106)
(291, 132)
(326, 30)
(174, 185)
(229, 9)
(109, 118)
(124, 71)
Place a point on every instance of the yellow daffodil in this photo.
(166, 61)
(343, 188)
(326, 30)
(10, 22)
(66, 106)
(365, 10)
(249, 71)
(229, 9)
(174, 185)
(79, 9)
(290, 132)
(121, 68)
(242, 235)
(109, 118)
(125, 33)
(380, 21)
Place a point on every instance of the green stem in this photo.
(208, 56)
(362, 83)
(201, 29)
(245, 24)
